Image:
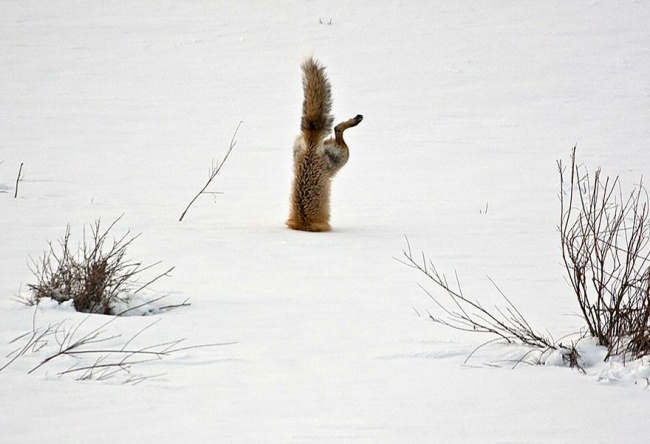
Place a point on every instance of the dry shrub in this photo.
(95, 277)
(605, 239)
(604, 235)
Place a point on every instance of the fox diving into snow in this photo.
(316, 158)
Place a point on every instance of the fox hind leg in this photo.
(348, 124)
(336, 149)
(338, 130)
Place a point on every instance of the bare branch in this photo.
(18, 179)
(214, 170)
(92, 361)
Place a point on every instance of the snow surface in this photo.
(119, 108)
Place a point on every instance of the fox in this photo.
(316, 158)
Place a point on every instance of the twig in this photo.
(99, 363)
(20, 170)
(185, 303)
(214, 170)
(67, 346)
(35, 342)
(461, 313)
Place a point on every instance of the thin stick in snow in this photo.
(20, 170)
(214, 170)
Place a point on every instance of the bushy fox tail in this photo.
(317, 120)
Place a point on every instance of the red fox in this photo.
(315, 159)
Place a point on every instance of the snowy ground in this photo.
(119, 107)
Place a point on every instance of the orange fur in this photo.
(316, 160)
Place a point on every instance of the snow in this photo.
(120, 107)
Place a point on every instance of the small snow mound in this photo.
(613, 370)
(589, 354)
(130, 305)
(51, 304)
(619, 371)
(135, 305)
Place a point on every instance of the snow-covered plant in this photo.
(506, 324)
(605, 236)
(97, 278)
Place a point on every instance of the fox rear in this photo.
(316, 158)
